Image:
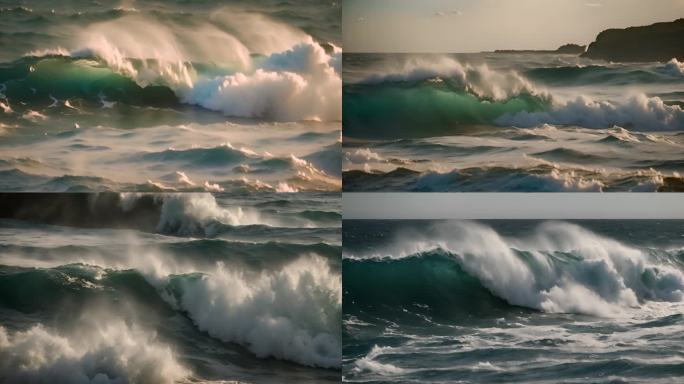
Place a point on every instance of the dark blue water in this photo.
(511, 123)
(170, 288)
(192, 96)
(513, 301)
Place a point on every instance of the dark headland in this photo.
(655, 42)
(567, 49)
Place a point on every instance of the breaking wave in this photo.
(639, 112)
(106, 352)
(438, 96)
(180, 214)
(292, 313)
(561, 268)
(139, 60)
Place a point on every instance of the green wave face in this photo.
(434, 281)
(37, 80)
(423, 110)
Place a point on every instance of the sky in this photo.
(513, 205)
(443, 26)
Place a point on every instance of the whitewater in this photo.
(170, 288)
(193, 97)
(515, 122)
(513, 301)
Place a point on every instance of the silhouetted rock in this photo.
(656, 42)
(571, 49)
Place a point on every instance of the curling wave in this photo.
(439, 96)
(287, 309)
(113, 62)
(562, 268)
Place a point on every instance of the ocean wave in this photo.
(179, 214)
(424, 110)
(674, 68)
(561, 268)
(543, 177)
(639, 113)
(304, 177)
(287, 308)
(439, 96)
(597, 74)
(112, 61)
(481, 81)
(109, 351)
(188, 214)
(292, 313)
(221, 155)
(369, 363)
(288, 86)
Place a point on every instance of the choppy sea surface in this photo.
(513, 122)
(510, 301)
(170, 288)
(173, 95)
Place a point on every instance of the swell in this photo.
(205, 253)
(597, 74)
(44, 81)
(32, 289)
(220, 64)
(184, 214)
(560, 268)
(302, 324)
(392, 111)
(429, 110)
(305, 177)
(108, 350)
(545, 177)
(431, 283)
(441, 96)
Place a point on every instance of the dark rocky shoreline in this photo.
(655, 42)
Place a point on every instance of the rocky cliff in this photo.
(656, 42)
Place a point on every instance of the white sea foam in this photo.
(368, 363)
(298, 80)
(362, 155)
(606, 279)
(480, 80)
(674, 68)
(298, 84)
(556, 180)
(638, 112)
(291, 313)
(103, 352)
(188, 213)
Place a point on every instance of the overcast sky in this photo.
(485, 25)
(513, 205)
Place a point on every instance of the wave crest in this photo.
(639, 112)
(562, 268)
(105, 353)
(292, 313)
(480, 80)
(206, 65)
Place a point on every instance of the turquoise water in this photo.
(170, 288)
(513, 301)
(191, 96)
(485, 122)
